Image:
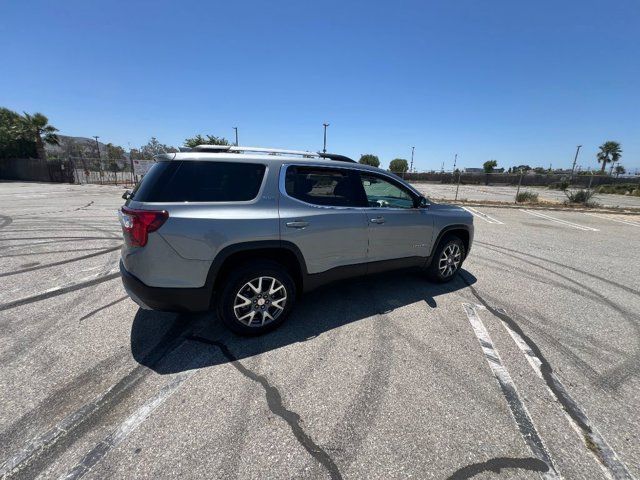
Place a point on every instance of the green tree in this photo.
(398, 165)
(36, 127)
(206, 140)
(620, 170)
(489, 165)
(369, 159)
(154, 147)
(609, 152)
(114, 152)
(12, 143)
(136, 154)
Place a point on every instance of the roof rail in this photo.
(233, 148)
(271, 151)
(335, 156)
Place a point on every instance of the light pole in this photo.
(324, 148)
(575, 160)
(236, 129)
(411, 167)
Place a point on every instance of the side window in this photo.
(384, 194)
(323, 186)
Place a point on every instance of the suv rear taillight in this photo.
(137, 224)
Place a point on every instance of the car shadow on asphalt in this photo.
(156, 336)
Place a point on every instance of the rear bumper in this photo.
(165, 299)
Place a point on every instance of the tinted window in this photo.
(384, 194)
(322, 186)
(199, 181)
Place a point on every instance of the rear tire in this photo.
(447, 259)
(257, 297)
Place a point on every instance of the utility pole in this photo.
(575, 159)
(131, 163)
(442, 167)
(99, 158)
(455, 159)
(411, 167)
(324, 148)
(236, 129)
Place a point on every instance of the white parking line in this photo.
(608, 459)
(518, 410)
(484, 216)
(557, 220)
(626, 222)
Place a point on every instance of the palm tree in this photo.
(36, 128)
(609, 152)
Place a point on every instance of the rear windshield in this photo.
(198, 181)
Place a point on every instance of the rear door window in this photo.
(201, 181)
(324, 186)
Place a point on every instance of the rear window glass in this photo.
(200, 181)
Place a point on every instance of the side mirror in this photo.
(422, 202)
(126, 195)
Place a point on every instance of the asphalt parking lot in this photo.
(525, 366)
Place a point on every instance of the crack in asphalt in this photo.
(497, 464)
(275, 404)
(592, 439)
(614, 378)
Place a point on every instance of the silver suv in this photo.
(246, 230)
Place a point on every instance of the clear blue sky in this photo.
(521, 82)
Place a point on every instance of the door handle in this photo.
(297, 224)
(377, 220)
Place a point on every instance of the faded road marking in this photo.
(483, 216)
(518, 410)
(557, 220)
(626, 222)
(116, 437)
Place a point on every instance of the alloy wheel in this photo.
(449, 260)
(260, 301)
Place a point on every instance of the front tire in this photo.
(447, 259)
(257, 297)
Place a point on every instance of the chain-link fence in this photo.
(514, 188)
(101, 171)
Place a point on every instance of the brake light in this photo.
(137, 224)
